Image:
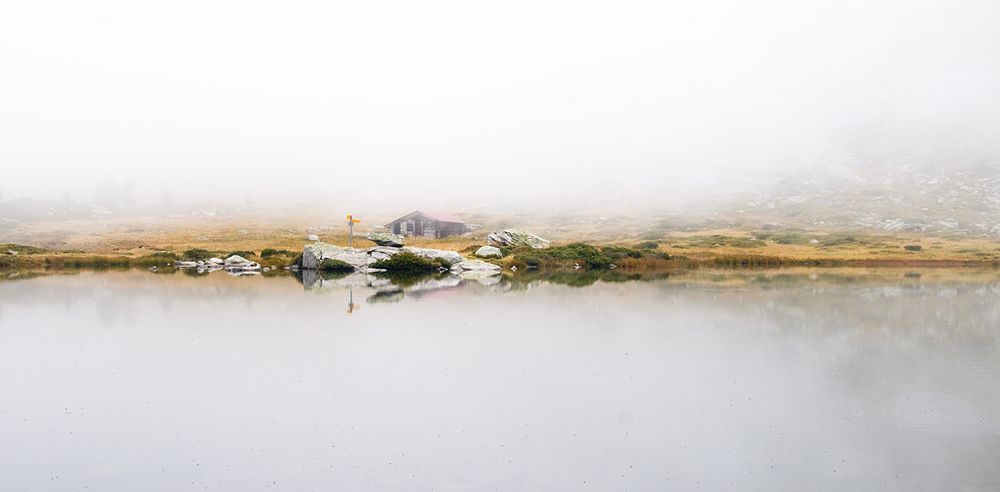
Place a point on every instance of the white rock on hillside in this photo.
(489, 252)
(386, 239)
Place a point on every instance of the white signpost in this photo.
(350, 226)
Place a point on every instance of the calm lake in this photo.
(783, 380)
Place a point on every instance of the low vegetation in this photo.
(196, 254)
(584, 255)
(270, 252)
(335, 266)
(407, 262)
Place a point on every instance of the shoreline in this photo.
(75, 261)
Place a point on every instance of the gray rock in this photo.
(515, 237)
(315, 253)
(235, 260)
(451, 257)
(489, 252)
(234, 265)
(386, 239)
(380, 253)
(216, 261)
(312, 237)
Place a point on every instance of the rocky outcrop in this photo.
(489, 252)
(316, 252)
(515, 237)
(386, 239)
(313, 254)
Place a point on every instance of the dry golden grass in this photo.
(133, 238)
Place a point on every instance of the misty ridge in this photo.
(878, 116)
(846, 194)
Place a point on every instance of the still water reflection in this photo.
(787, 380)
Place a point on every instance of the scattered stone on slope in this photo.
(386, 239)
(489, 252)
(516, 237)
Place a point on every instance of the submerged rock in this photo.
(386, 239)
(475, 265)
(489, 252)
(515, 237)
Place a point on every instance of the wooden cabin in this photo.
(428, 224)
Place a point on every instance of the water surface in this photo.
(797, 380)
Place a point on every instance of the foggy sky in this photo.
(526, 102)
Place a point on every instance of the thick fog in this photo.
(451, 104)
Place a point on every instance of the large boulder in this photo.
(316, 252)
(386, 239)
(313, 254)
(515, 237)
(451, 257)
(489, 252)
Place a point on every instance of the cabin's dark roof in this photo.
(443, 217)
(438, 216)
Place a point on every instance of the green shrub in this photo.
(618, 252)
(155, 259)
(244, 254)
(409, 262)
(196, 254)
(332, 265)
(20, 249)
(269, 252)
(585, 254)
(913, 247)
(648, 245)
